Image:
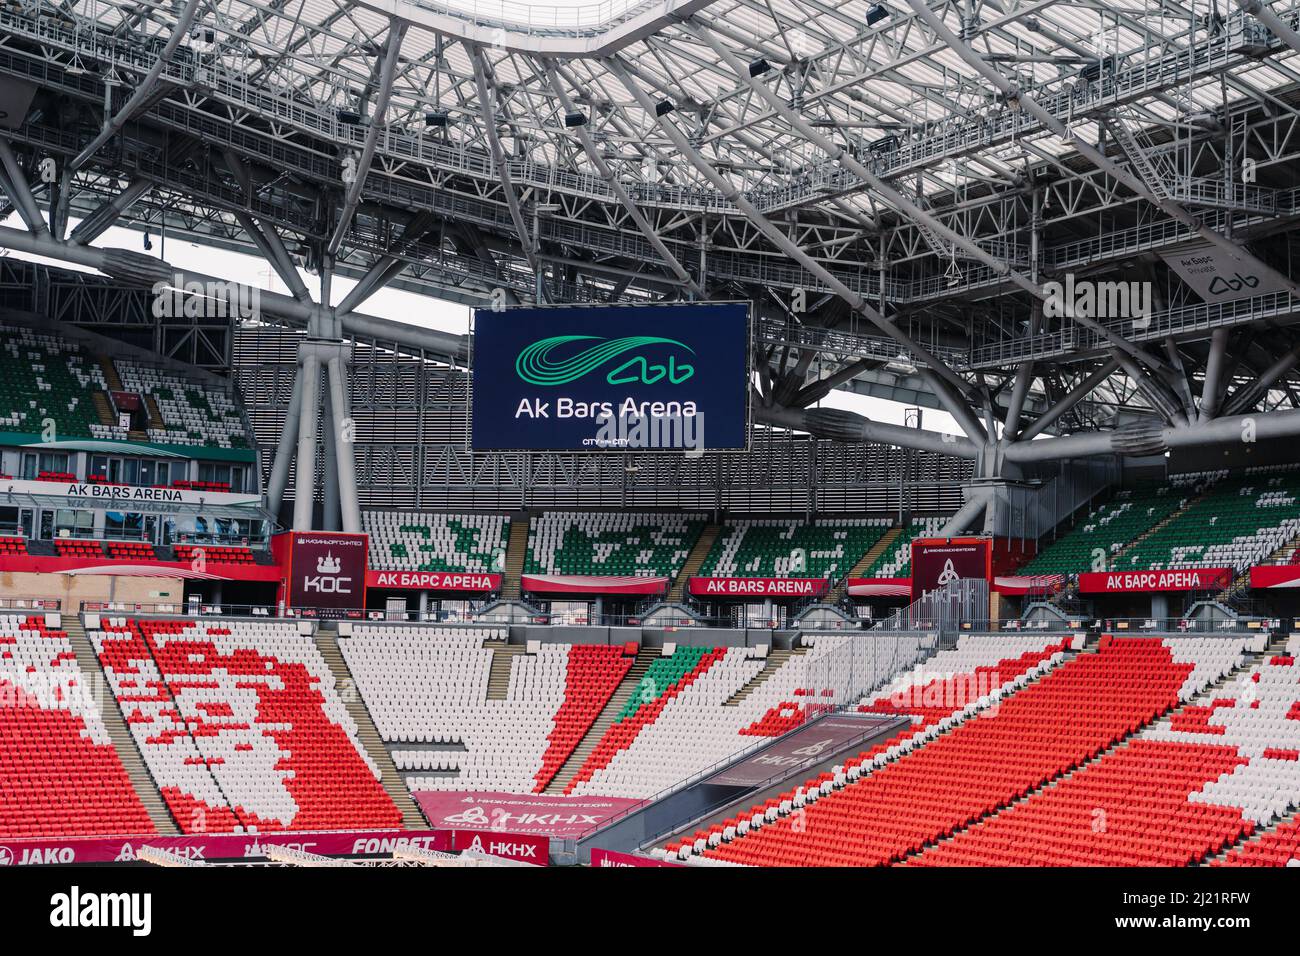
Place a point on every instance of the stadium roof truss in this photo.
(892, 184)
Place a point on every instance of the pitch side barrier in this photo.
(747, 777)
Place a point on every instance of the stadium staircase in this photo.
(1156, 171)
(103, 410)
(645, 656)
(327, 642)
(703, 545)
(886, 542)
(154, 413)
(127, 751)
(503, 655)
(516, 552)
(111, 378)
(775, 658)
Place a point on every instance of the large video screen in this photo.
(619, 377)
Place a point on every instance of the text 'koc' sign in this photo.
(326, 571)
(626, 378)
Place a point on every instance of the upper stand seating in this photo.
(46, 377)
(241, 727)
(610, 543)
(1238, 523)
(974, 767)
(1109, 528)
(779, 547)
(59, 772)
(430, 684)
(896, 560)
(193, 414)
(1177, 794)
(417, 541)
(13, 546)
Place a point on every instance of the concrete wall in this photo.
(72, 589)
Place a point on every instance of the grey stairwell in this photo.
(694, 561)
(516, 552)
(503, 656)
(128, 752)
(775, 658)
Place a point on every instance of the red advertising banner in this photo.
(593, 584)
(608, 858)
(880, 587)
(1185, 579)
(522, 847)
(937, 562)
(545, 814)
(759, 587)
(1275, 576)
(434, 580)
(1016, 584)
(323, 570)
(219, 846)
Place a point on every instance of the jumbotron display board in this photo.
(616, 377)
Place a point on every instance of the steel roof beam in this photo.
(387, 73)
(624, 197)
(1020, 100)
(943, 379)
(143, 92)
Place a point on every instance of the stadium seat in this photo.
(59, 772)
(896, 560)
(417, 541)
(192, 414)
(48, 378)
(241, 726)
(1179, 793)
(916, 796)
(610, 543)
(429, 685)
(777, 547)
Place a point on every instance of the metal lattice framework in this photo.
(893, 184)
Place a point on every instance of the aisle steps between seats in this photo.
(327, 643)
(691, 567)
(645, 656)
(128, 752)
(775, 658)
(886, 543)
(516, 553)
(503, 654)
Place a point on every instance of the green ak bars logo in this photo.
(536, 366)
